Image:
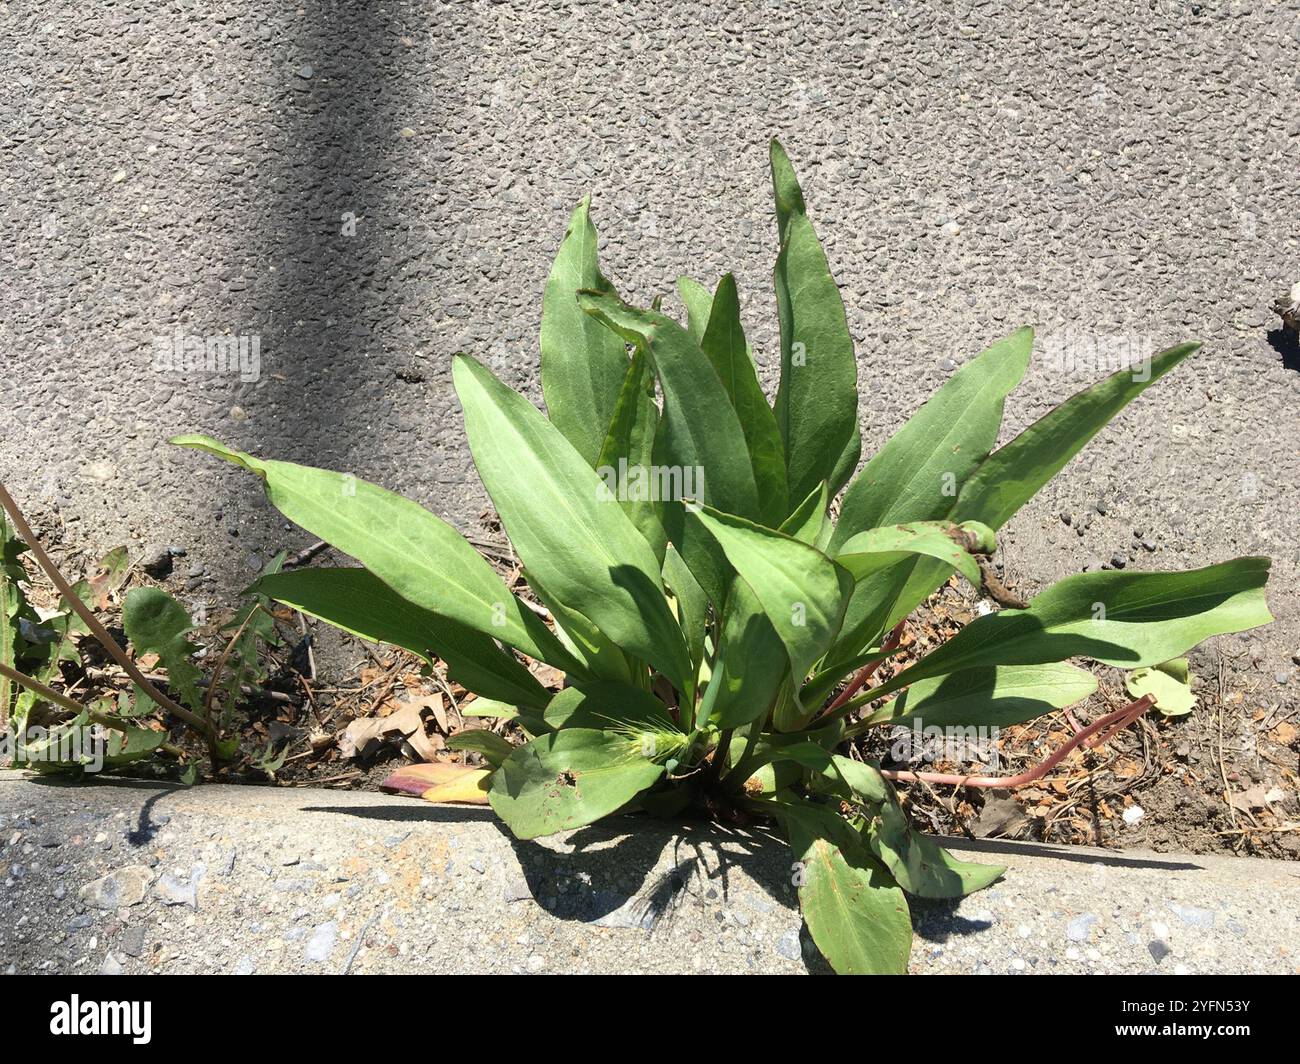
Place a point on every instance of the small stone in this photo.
(536, 964)
(1295, 656)
(175, 891)
(1133, 815)
(321, 944)
(243, 966)
(111, 966)
(132, 941)
(1158, 950)
(1077, 929)
(118, 889)
(305, 72)
(158, 562)
(406, 132)
(1149, 544)
(1192, 915)
(1118, 560)
(1065, 517)
(788, 946)
(1281, 677)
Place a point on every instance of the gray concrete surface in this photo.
(142, 878)
(368, 188)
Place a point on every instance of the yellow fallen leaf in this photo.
(442, 782)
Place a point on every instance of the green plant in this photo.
(34, 645)
(716, 627)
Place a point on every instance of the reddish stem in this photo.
(1107, 726)
(864, 674)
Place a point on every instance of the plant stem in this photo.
(1103, 728)
(865, 674)
(51, 695)
(92, 622)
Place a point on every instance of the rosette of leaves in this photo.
(703, 632)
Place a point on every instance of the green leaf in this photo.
(1170, 684)
(920, 865)
(359, 602)
(606, 707)
(418, 555)
(567, 779)
(809, 520)
(750, 665)
(801, 590)
(157, 624)
(629, 446)
(134, 744)
(1010, 477)
(988, 696)
(691, 601)
(481, 741)
(601, 658)
(583, 365)
(724, 344)
(698, 302)
(817, 402)
(585, 551)
(700, 429)
(855, 912)
(879, 548)
(917, 475)
(1119, 618)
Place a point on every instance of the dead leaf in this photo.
(548, 676)
(442, 783)
(403, 723)
(1001, 815)
(1284, 733)
(1260, 796)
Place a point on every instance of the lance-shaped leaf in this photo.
(566, 779)
(750, 665)
(809, 520)
(691, 602)
(879, 548)
(359, 602)
(990, 696)
(1118, 618)
(920, 865)
(698, 301)
(801, 590)
(856, 913)
(1010, 477)
(606, 706)
(701, 431)
(462, 784)
(157, 624)
(583, 365)
(724, 344)
(915, 476)
(817, 402)
(583, 549)
(601, 658)
(628, 452)
(418, 555)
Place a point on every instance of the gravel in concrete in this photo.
(457, 894)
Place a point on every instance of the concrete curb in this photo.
(136, 877)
